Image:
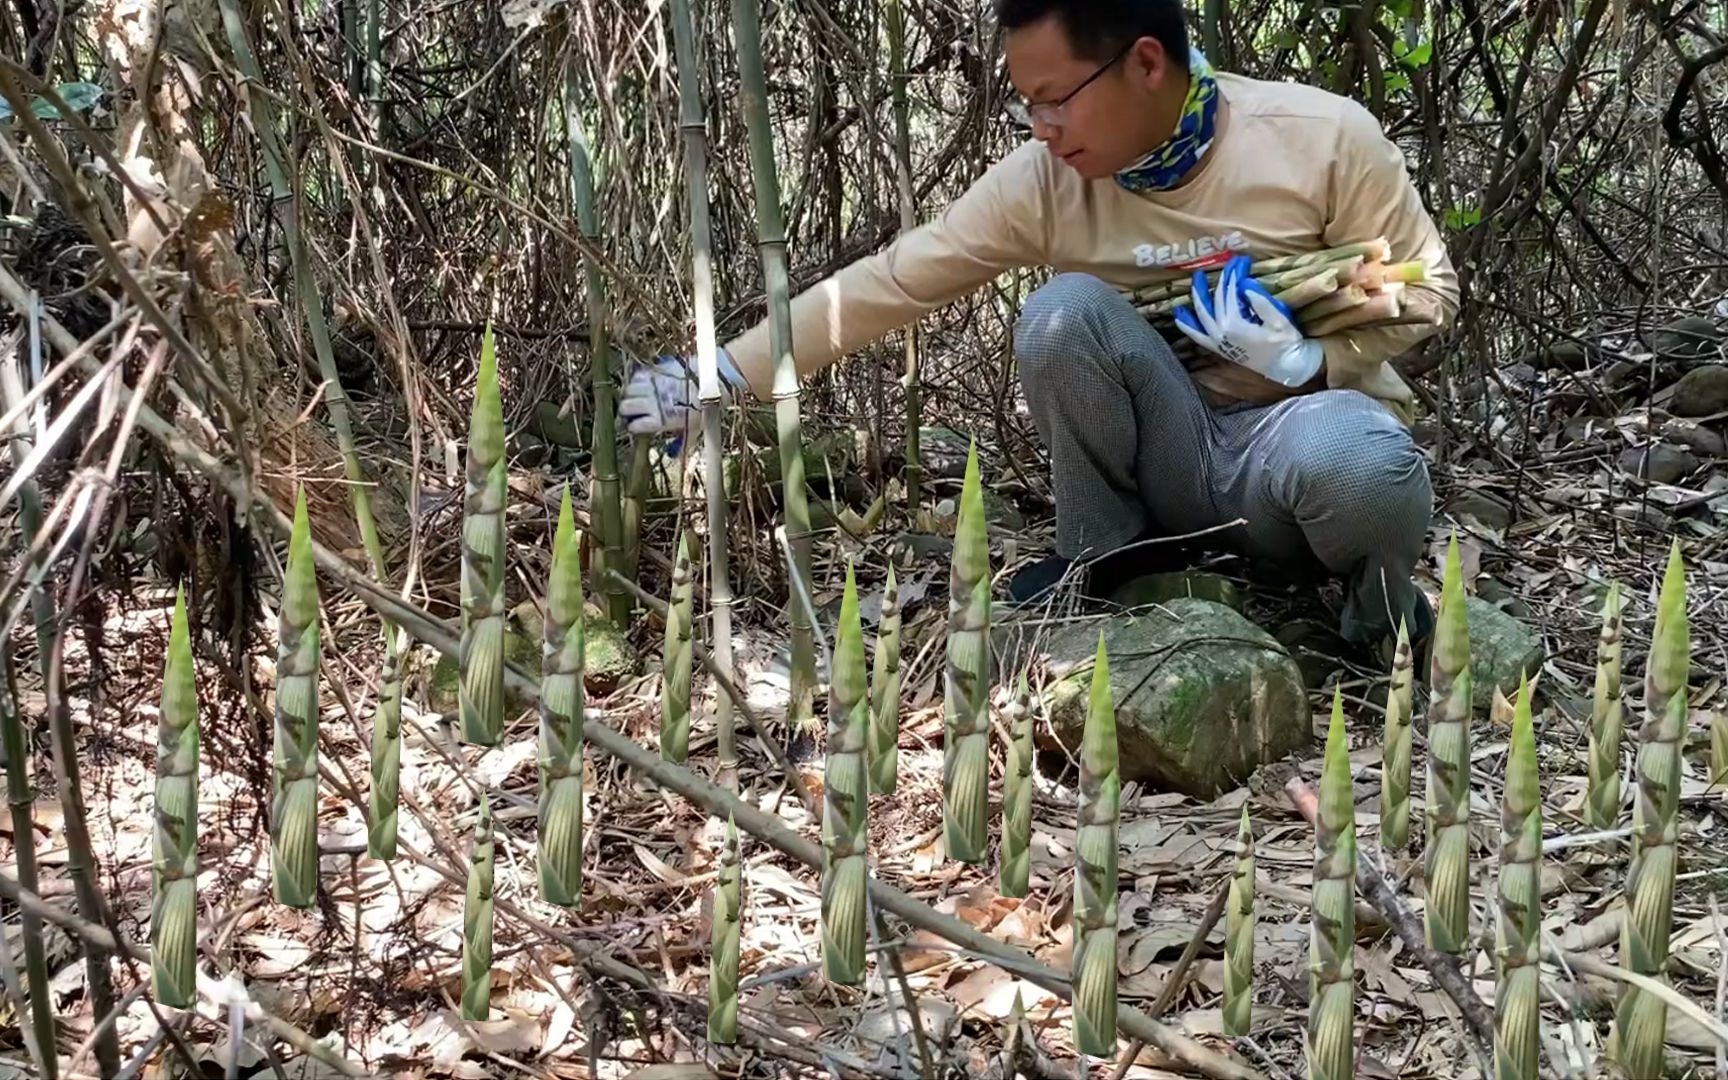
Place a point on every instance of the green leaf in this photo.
(1419, 56)
(1460, 218)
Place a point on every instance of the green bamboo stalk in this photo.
(294, 777)
(723, 955)
(1330, 1037)
(81, 860)
(708, 381)
(1395, 762)
(675, 665)
(1446, 917)
(481, 692)
(174, 854)
(845, 800)
(1093, 974)
(884, 743)
(1016, 872)
(608, 494)
(1517, 956)
(966, 677)
(897, 78)
(386, 750)
(562, 706)
(771, 241)
(1607, 716)
(1239, 935)
(14, 759)
(1180, 293)
(1640, 1019)
(477, 922)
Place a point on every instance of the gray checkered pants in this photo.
(1330, 483)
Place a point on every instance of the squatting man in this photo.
(1146, 165)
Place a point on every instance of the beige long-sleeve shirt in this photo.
(1292, 169)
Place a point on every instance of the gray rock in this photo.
(943, 451)
(1580, 429)
(554, 428)
(1703, 391)
(1690, 341)
(1658, 463)
(1489, 510)
(1203, 696)
(1695, 437)
(1001, 513)
(1502, 649)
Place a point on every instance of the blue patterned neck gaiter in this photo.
(1165, 165)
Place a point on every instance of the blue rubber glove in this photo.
(1245, 324)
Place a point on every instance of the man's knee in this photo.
(1350, 458)
(1061, 317)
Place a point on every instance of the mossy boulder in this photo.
(1203, 696)
(608, 658)
(1163, 588)
(1502, 649)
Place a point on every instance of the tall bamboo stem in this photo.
(608, 491)
(691, 123)
(771, 240)
(14, 759)
(897, 79)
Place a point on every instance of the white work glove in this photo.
(1242, 322)
(661, 398)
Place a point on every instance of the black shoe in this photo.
(1032, 581)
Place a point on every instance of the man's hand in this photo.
(1243, 323)
(661, 398)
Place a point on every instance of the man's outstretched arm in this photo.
(994, 226)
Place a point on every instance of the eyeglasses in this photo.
(1051, 113)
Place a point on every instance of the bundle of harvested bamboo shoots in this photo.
(1348, 287)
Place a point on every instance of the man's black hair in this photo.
(1099, 29)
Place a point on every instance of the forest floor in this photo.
(374, 968)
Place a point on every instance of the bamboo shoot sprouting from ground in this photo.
(1718, 746)
(1607, 716)
(897, 77)
(477, 922)
(966, 677)
(561, 714)
(1446, 870)
(14, 759)
(675, 660)
(1640, 1019)
(174, 854)
(294, 777)
(1330, 1037)
(884, 740)
(608, 491)
(386, 756)
(1100, 806)
(845, 800)
(1016, 871)
(771, 241)
(708, 380)
(1518, 995)
(481, 698)
(723, 950)
(1239, 935)
(1395, 762)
